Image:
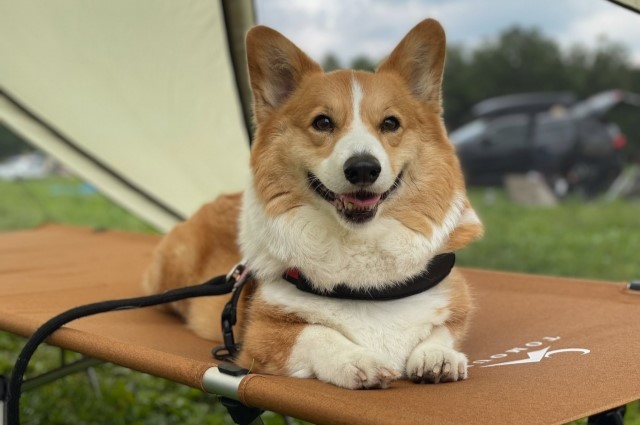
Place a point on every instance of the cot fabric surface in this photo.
(542, 349)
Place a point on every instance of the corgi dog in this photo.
(356, 187)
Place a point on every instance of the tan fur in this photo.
(194, 251)
(289, 90)
(463, 236)
(460, 306)
(279, 176)
(270, 335)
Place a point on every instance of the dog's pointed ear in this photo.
(419, 60)
(276, 67)
(468, 229)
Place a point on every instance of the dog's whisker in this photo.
(412, 183)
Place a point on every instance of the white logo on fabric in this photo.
(532, 356)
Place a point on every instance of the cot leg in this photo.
(3, 397)
(241, 414)
(609, 417)
(53, 375)
(64, 370)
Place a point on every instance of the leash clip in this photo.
(238, 276)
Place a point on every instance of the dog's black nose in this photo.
(362, 169)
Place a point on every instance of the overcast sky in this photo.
(373, 27)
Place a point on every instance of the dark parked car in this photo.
(570, 143)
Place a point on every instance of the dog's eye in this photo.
(322, 123)
(390, 124)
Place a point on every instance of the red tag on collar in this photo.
(292, 273)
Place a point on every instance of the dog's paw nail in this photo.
(435, 364)
(462, 371)
(362, 376)
(390, 374)
(386, 377)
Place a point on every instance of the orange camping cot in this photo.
(543, 350)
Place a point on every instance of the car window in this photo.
(511, 131)
(468, 132)
(554, 131)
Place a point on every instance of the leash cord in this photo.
(219, 285)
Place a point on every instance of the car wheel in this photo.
(589, 180)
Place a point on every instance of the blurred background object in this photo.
(27, 166)
(574, 145)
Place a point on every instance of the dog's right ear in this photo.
(419, 60)
(276, 68)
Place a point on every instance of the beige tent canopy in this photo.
(138, 97)
(631, 4)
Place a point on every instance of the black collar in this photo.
(439, 268)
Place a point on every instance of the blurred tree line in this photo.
(10, 144)
(525, 60)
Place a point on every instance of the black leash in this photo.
(217, 286)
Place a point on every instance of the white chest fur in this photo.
(329, 253)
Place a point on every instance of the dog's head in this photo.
(355, 144)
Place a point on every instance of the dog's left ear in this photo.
(276, 68)
(468, 229)
(419, 60)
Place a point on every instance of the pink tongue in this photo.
(365, 203)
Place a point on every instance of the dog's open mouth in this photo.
(356, 207)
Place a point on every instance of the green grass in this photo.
(592, 240)
(599, 239)
(29, 204)
(123, 396)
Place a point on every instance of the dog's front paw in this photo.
(360, 369)
(433, 363)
